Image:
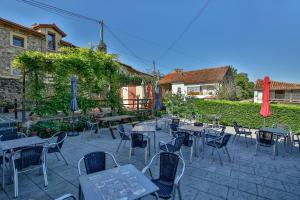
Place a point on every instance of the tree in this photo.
(240, 88)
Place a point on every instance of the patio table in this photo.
(5, 146)
(143, 128)
(120, 183)
(191, 130)
(118, 118)
(278, 132)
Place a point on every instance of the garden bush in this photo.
(247, 114)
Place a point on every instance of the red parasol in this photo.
(265, 106)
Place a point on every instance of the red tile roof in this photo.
(67, 44)
(38, 26)
(276, 85)
(209, 75)
(19, 27)
(131, 70)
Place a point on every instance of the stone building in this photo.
(16, 38)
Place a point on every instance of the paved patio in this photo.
(247, 177)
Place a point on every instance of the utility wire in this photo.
(201, 11)
(125, 46)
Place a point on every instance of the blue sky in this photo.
(259, 37)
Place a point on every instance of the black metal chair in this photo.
(296, 140)
(95, 162)
(66, 196)
(167, 181)
(176, 121)
(239, 130)
(173, 129)
(92, 127)
(137, 141)
(55, 147)
(10, 134)
(124, 135)
(28, 159)
(220, 143)
(265, 139)
(174, 145)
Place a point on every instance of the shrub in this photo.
(247, 114)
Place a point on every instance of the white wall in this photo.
(204, 91)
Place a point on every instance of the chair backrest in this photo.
(223, 130)
(168, 167)
(95, 162)
(173, 127)
(137, 140)
(60, 139)
(200, 124)
(120, 129)
(225, 139)
(175, 121)
(8, 134)
(265, 137)
(236, 127)
(179, 140)
(29, 157)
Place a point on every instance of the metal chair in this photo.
(239, 130)
(55, 147)
(137, 141)
(173, 129)
(124, 135)
(174, 145)
(220, 143)
(10, 134)
(265, 139)
(297, 140)
(28, 159)
(92, 127)
(167, 182)
(66, 196)
(176, 121)
(95, 162)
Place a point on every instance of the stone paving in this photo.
(246, 177)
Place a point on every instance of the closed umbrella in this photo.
(73, 103)
(157, 105)
(265, 106)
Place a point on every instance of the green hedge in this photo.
(247, 114)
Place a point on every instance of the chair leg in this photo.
(227, 154)
(256, 149)
(45, 175)
(130, 151)
(146, 155)
(119, 146)
(63, 157)
(274, 151)
(191, 153)
(251, 138)
(57, 156)
(220, 157)
(246, 140)
(16, 184)
(181, 154)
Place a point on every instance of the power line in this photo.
(60, 11)
(201, 11)
(125, 46)
(57, 10)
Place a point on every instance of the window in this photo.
(194, 90)
(51, 41)
(179, 90)
(18, 41)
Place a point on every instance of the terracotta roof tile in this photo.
(209, 75)
(276, 85)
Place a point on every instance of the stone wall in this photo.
(8, 52)
(10, 89)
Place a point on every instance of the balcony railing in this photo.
(288, 98)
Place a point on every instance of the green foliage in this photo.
(247, 114)
(179, 105)
(239, 89)
(97, 73)
(45, 129)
